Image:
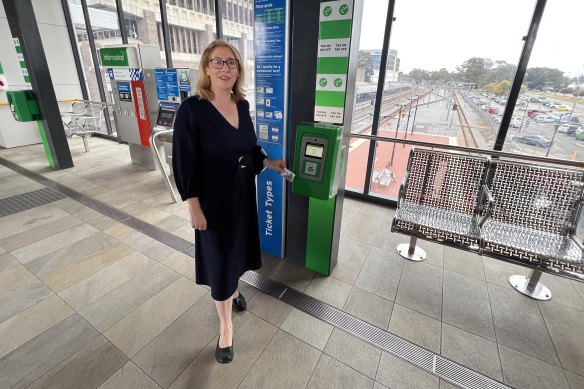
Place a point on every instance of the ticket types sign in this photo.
(336, 21)
(270, 31)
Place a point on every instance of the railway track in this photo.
(467, 135)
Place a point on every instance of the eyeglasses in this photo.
(218, 63)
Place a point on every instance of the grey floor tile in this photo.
(353, 352)
(519, 324)
(498, 272)
(364, 228)
(464, 262)
(369, 307)
(13, 274)
(387, 240)
(182, 264)
(346, 220)
(293, 275)
(129, 377)
(27, 325)
(352, 255)
(381, 273)
(329, 290)
(575, 381)
(22, 297)
(139, 327)
(420, 288)
(36, 234)
(3, 250)
(350, 204)
(416, 327)
(563, 291)
(434, 252)
(99, 284)
(332, 374)
(523, 371)
(87, 368)
(268, 308)
(307, 328)
(579, 287)
(395, 373)
(374, 209)
(446, 385)
(251, 336)
(565, 327)
(471, 351)
(115, 305)
(466, 305)
(30, 219)
(76, 209)
(165, 358)
(147, 245)
(269, 265)
(292, 358)
(377, 385)
(29, 362)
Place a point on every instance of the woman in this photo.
(215, 160)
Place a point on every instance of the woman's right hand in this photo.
(198, 220)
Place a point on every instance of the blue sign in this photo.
(123, 87)
(160, 80)
(172, 82)
(270, 21)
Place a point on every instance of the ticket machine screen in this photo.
(314, 150)
(166, 114)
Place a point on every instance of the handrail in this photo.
(578, 164)
(158, 159)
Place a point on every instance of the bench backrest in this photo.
(540, 197)
(445, 180)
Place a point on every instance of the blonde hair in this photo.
(204, 83)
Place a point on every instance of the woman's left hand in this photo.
(276, 164)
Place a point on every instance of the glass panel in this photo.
(370, 45)
(448, 87)
(191, 24)
(239, 32)
(104, 23)
(550, 112)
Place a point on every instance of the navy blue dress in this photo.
(217, 163)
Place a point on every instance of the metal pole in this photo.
(408, 121)
(75, 49)
(396, 129)
(165, 34)
(219, 18)
(121, 22)
(552, 141)
(415, 113)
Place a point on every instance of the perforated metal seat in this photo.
(534, 214)
(438, 224)
(439, 199)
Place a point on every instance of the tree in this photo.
(502, 71)
(545, 78)
(474, 69)
(500, 88)
(419, 74)
(365, 62)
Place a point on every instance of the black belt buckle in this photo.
(241, 162)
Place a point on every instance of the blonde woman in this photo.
(215, 160)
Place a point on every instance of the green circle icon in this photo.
(322, 82)
(338, 82)
(327, 11)
(343, 9)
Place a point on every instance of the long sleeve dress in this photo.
(217, 163)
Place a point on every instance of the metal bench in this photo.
(533, 222)
(513, 211)
(439, 201)
(84, 119)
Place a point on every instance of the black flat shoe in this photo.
(224, 355)
(239, 303)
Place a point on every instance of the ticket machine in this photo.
(318, 163)
(130, 71)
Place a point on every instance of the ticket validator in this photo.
(318, 163)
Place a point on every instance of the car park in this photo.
(533, 140)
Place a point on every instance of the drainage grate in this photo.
(28, 200)
(437, 365)
(424, 359)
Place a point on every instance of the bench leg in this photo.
(411, 251)
(530, 286)
(85, 143)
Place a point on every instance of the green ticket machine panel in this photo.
(23, 105)
(317, 160)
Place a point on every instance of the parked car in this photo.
(546, 119)
(533, 112)
(494, 110)
(561, 108)
(515, 123)
(497, 119)
(570, 119)
(533, 140)
(569, 129)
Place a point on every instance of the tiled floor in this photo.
(87, 302)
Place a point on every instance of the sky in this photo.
(432, 34)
